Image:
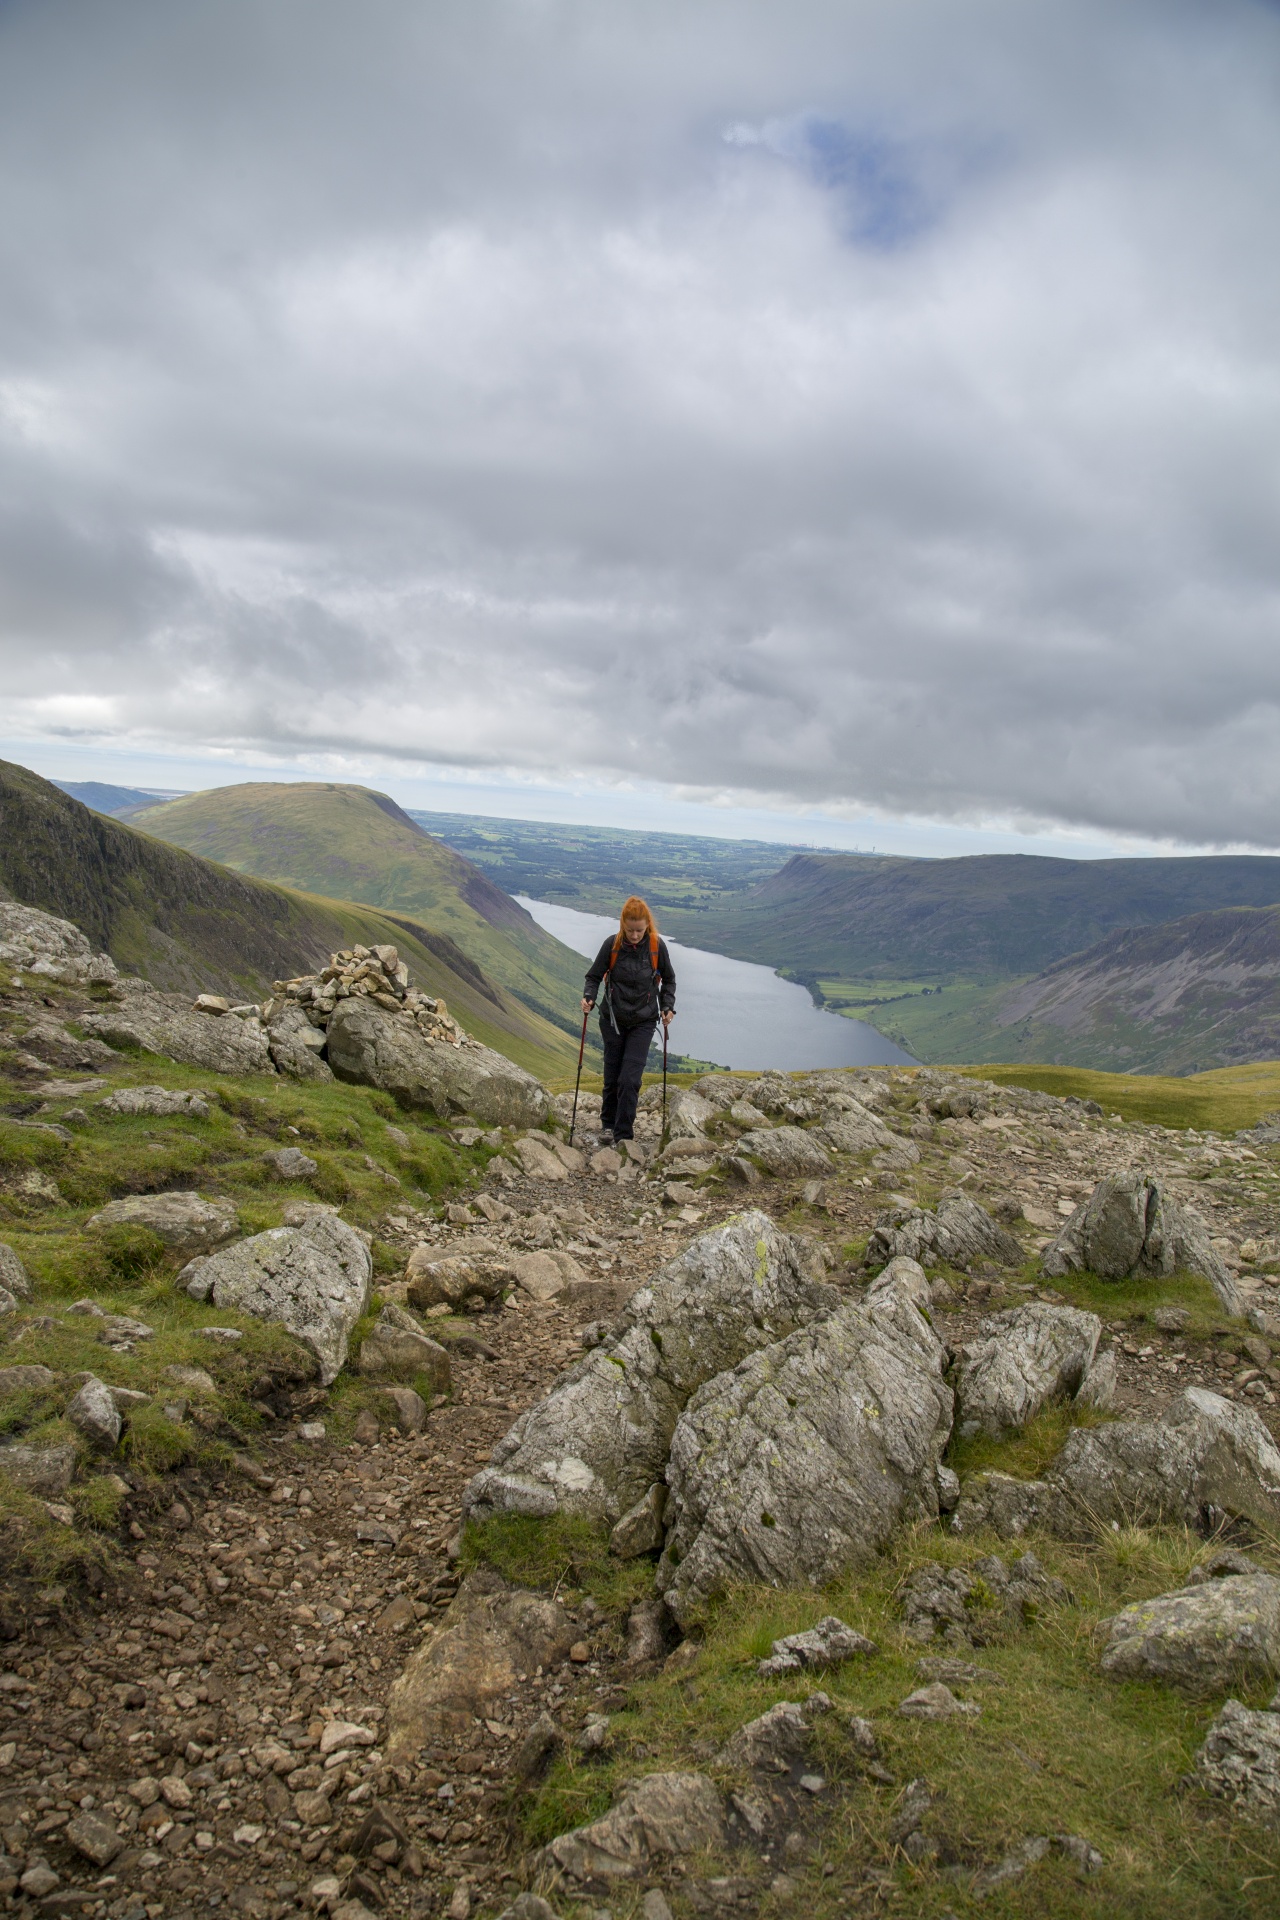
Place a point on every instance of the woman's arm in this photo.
(595, 974)
(667, 974)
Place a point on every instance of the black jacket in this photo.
(631, 996)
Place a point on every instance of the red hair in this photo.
(634, 908)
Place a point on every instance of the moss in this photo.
(1024, 1455)
(156, 1444)
(563, 1551)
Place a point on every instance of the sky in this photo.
(852, 422)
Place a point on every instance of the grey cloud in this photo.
(855, 404)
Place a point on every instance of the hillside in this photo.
(595, 868)
(987, 916)
(1198, 993)
(192, 926)
(350, 843)
(120, 802)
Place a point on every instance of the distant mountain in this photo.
(116, 801)
(190, 925)
(987, 916)
(350, 843)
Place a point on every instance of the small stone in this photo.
(312, 1430)
(290, 1163)
(409, 1409)
(95, 1838)
(460, 1904)
(248, 1835)
(39, 1880)
(145, 1791)
(812, 1782)
(94, 1414)
(345, 1733)
(936, 1702)
(580, 1653)
(175, 1792)
(654, 1905)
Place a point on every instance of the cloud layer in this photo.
(864, 403)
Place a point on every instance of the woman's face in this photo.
(635, 931)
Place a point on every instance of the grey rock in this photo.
(531, 1906)
(290, 1163)
(537, 1750)
(1130, 1228)
(1073, 1847)
(41, 1470)
(801, 1461)
(640, 1528)
(296, 1046)
(661, 1817)
(165, 1023)
(914, 1805)
(490, 1635)
(600, 1438)
(1226, 1560)
(776, 1741)
(312, 1279)
(187, 1224)
(744, 1172)
(397, 1346)
(1100, 1385)
(372, 1048)
(545, 1274)
(688, 1114)
(1240, 1762)
(854, 1130)
(157, 1101)
(959, 1233)
(937, 1702)
(1202, 1460)
(973, 1605)
(1026, 1853)
(788, 1152)
(1200, 1639)
(827, 1644)
(409, 1409)
(94, 1837)
(93, 1413)
(1024, 1359)
(41, 943)
(449, 1279)
(14, 1278)
(26, 1379)
(650, 1630)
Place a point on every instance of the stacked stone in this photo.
(371, 973)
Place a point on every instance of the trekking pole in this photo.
(582, 1047)
(664, 1085)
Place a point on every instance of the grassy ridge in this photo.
(350, 843)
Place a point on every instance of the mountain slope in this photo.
(104, 798)
(354, 844)
(984, 916)
(192, 926)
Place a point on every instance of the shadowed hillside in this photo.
(191, 926)
(350, 843)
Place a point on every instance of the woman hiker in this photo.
(639, 988)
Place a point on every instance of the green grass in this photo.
(1219, 1101)
(1058, 1748)
(1026, 1454)
(565, 1552)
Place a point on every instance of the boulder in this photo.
(805, 1458)
(165, 1023)
(187, 1224)
(687, 1114)
(660, 1817)
(1129, 1228)
(543, 1275)
(960, 1233)
(40, 943)
(297, 1047)
(397, 1347)
(937, 1702)
(490, 1635)
(157, 1101)
(311, 1279)
(14, 1278)
(973, 1605)
(851, 1129)
(407, 1408)
(640, 1528)
(827, 1644)
(1202, 1460)
(49, 1040)
(93, 1413)
(45, 1471)
(1201, 1639)
(1024, 1359)
(777, 1741)
(600, 1438)
(450, 1279)
(373, 1048)
(787, 1152)
(290, 1163)
(28, 1379)
(1240, 1762)
(537, 1160)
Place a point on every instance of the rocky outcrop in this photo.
(160, 1102)
(1128, 1229)
(165, 1023)
(788, 1152)
(296, 1045)
(313, 1280)
(1025, 1359)
(187, 1224)
(1200, 1639)
(600, 1438)
(372, 1047)
(659, 1818)
(40, 943)
(490, 1636)
(959, 1233)
(1240, 1762)
(851, 1129)
(802, 1461)
(974, 1605)
(1204, 1460)
(826, 1644)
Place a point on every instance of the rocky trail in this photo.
(221, 1727)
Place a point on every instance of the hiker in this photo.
(639, 987)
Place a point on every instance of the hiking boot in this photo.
(606, 1136)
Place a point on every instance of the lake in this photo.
(734, 1013)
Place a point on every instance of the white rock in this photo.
(313, 1280)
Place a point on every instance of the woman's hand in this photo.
(667, 1018)
(587, 1005)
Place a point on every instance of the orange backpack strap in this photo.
(617, 948)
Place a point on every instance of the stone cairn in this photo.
(370, 973)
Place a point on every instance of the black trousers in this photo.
(625, 1054)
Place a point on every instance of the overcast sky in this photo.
(845, 409)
